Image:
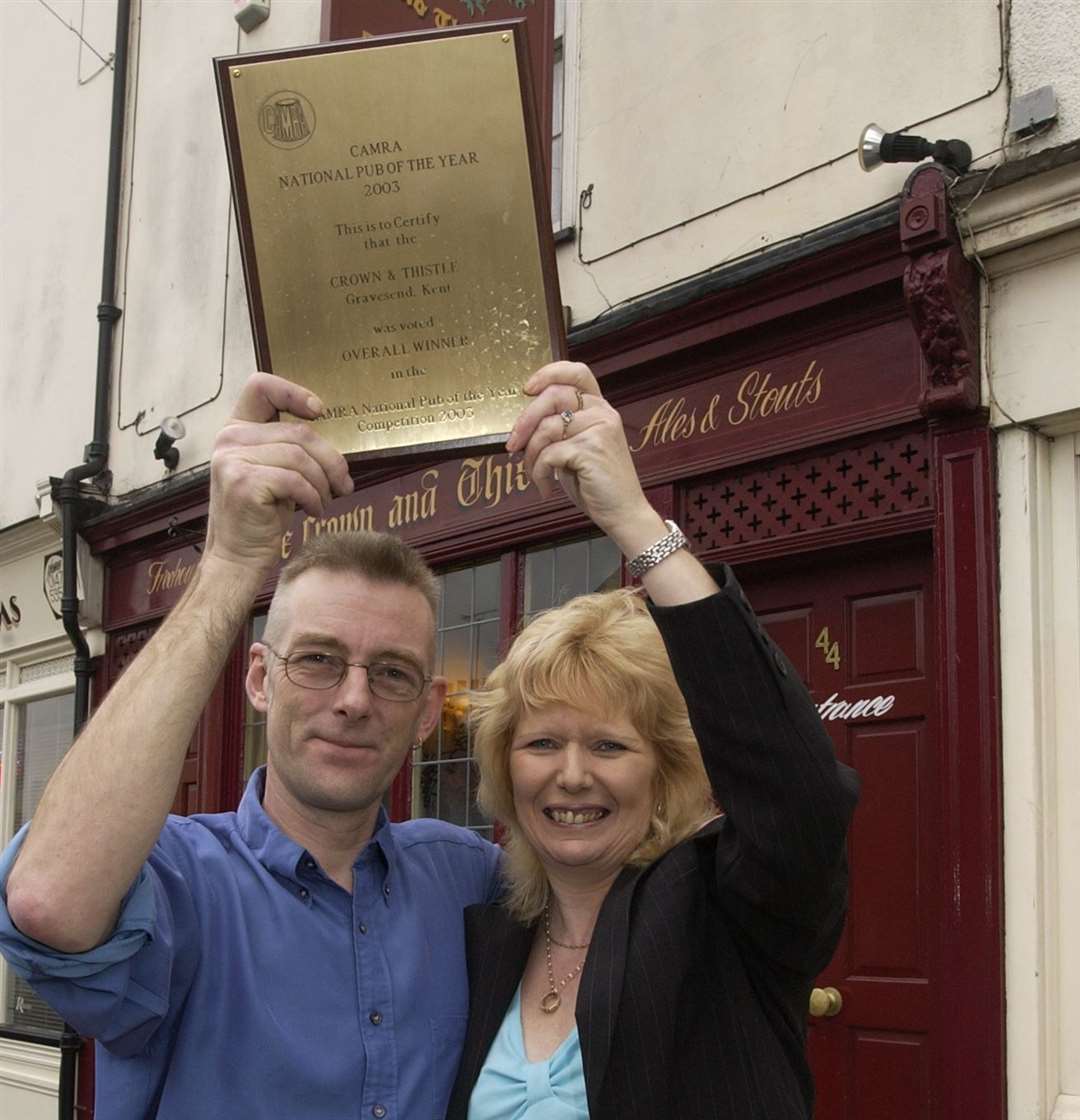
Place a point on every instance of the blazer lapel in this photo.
(496, 949)
(601, 983)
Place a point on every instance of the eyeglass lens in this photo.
(325, 670)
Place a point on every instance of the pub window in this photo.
(555, 574)
(37, 732)
(470, 634)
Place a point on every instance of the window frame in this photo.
(512, 616)
(15, 693)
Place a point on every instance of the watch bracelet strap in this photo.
(661, 550)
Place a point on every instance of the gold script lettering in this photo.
(669, 422)
(484, 478)
(351, 521)
(417, 505)
(757, 398)
(709, 420)
(161, 577)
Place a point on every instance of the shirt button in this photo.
(378, 1111)
(361, 927)
(309, 864)
(375, 1017)
(386, 891)
(303, 892)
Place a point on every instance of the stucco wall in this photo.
(683, 110)
(741, 121)
(1044, 45)
(184, 344)
(54, 128)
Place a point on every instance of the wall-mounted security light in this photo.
(172, 430)
(876, 146)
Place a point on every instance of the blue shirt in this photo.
(240, 981)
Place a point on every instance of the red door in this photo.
(858, 626)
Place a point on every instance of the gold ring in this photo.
(567, 419)
(580, 400)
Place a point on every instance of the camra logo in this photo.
(287, 119)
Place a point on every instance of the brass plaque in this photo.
(395, 231)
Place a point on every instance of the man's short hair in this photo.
(379, 557)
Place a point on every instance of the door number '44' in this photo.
(830, 649)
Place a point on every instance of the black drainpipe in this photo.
(95, 458)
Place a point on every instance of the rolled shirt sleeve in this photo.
(118, 991)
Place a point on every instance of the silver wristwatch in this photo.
(663, 548)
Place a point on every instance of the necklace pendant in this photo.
(551, 1002)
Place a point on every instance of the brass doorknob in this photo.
(825, 1003)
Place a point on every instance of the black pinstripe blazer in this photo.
(693, 999)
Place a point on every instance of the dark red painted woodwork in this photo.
(851, 285)
(941, 288)
(853, 384)
(84, 1086)
(885, 479)
(875, 604)
(973, 1079)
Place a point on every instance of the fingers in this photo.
(244, 455)
(575, 374)
(283, 488)
(264, 395)
(559, 453)
(550, 402)
(290, 444)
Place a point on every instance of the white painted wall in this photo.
(54, 129)
(1044, 45)
(742, 119)
(184, 343)
(681, 109)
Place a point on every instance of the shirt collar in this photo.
(279, 853)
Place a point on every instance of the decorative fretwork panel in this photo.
(125, 645)
(809, 494)
(40, 670)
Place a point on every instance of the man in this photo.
(300, 957)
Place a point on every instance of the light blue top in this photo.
(241, 981)
(510, 1087)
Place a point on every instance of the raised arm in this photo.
(104, 807)
(587, 454)
(771, 765)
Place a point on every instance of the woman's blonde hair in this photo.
(602, 653)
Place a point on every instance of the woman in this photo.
(651, 956)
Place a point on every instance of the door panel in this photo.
(857, 625)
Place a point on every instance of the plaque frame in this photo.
(555, 326)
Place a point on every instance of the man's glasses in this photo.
(387, 679)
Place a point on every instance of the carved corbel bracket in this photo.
(941, 289)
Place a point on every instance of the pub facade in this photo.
(804, 360)
(795, 427)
